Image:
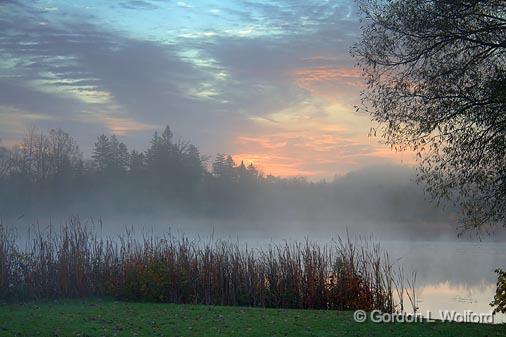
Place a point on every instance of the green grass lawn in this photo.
(110, 318)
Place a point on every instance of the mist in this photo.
(46, 180)
(171, 187)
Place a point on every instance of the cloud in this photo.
(333, 84)
(82, 74)
(220, 75)
(138, 5)
(183, 4)
(314, 78)
(312, 138)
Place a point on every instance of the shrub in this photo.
(500, 294)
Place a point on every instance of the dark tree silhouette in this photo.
(219, 169)
(119, 156)
(5, 161)
(45, 174)
(137, 163)
(64, 154)
(436, 82)
(110, 155)
(41, 156)
(101, 153)
(160, 154)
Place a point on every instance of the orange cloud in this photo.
(275, 165)
(312, 152)
(349, 76)
(327, 82)
(313, 138)
(326, 73)
(122, 126)
(119, 125)
(312, 156)
(320, 136)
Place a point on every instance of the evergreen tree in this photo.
(193, 161)
(252, 171)
(102, 152)
(230, 169)
(219, 165)
(242, 172)
(118, 157)
(137, 162)
(166, 138)
(123, 157)
(152, 153)
(160, 152)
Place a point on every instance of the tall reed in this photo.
(75, 262)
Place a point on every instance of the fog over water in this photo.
(381, 200)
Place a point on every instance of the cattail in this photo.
(75, 262)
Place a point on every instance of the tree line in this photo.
(47, 176)
(47, 170)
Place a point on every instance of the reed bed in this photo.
(74, 261)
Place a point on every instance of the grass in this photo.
(111, 318)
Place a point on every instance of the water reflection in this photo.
(459, 298)
(451, 275)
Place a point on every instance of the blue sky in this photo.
(270, 82)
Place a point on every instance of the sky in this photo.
(269, 82)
